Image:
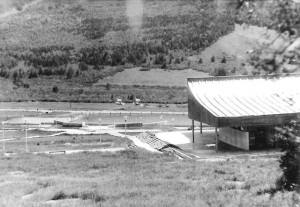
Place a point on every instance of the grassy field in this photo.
(153, 77)
(138, 178)
(60, 143)
(131, 177)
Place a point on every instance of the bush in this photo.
(82, 66)
(15, 75)
(164, 66)
(223, 60)
(177, 61)
(26, 85)
(41, 71)
(48, 71)
(55, 89)
(32, 74)
(200, 61)
(212, 59)
(220, 72)
(70, 73)
(233, 70)
(3, 73)
(107, 86)
(289, 160)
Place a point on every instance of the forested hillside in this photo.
(83, 41)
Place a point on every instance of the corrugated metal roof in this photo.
(247, 96)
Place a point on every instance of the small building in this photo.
(244, 109)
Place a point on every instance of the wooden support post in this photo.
(201, 127)
(217, 139)
(193, 131)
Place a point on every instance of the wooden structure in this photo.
(247, 101)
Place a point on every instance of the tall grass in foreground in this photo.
(138, 178)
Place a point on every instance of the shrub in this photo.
(48, 71)
(41, 71)
(82, 66)
(32, 74)
(59, 196)
(70, 73)
(3, 73)
(107, 86)
(177, 61)
(164, 66)
(220, 72)
(212, 59)
(26, 85)
(15, 75)
(223, 60)
(289, 160)
(233, 70)
(55, 89)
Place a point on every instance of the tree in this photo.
(289, 160)
(41, 71)
(164, 65)
(220, 71)
(223, 60)
(83, 66)
(32, 74)
(107, 86)
(200, 61)
(55, 89)
(212, 59)
(70, 73)
(177, 61)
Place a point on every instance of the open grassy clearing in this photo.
(153, 77)
(138, 178)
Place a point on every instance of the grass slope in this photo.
(138, 178)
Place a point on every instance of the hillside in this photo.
(73, 45)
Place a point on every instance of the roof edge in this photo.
(241, 77)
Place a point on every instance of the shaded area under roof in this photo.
(244, 100)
